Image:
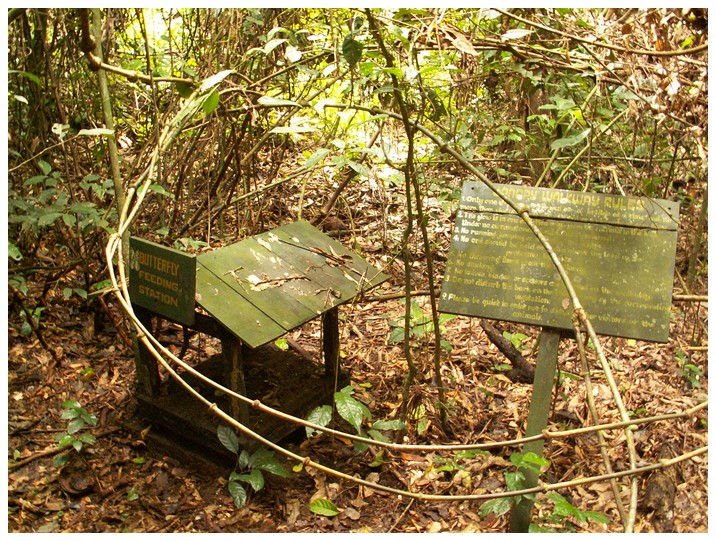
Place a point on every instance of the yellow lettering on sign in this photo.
(158, 264)
(158, 296)
(159, 281)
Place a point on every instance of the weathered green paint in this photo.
(162, 280)
(618, 251)
(264, 286)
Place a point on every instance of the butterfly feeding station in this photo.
(248, 295)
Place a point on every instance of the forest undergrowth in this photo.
(229, 123)
(126, 481)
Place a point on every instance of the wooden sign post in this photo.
(161, 281)
(618, 251)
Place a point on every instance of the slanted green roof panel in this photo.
(234, 312)
(264, 286)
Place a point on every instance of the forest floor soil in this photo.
(129, 481)
(126, 481)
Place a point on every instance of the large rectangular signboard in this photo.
(618, 251)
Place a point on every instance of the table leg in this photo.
(331, 342)
(233, 352)
(145, 364)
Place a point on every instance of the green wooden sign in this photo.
(618, 251)
(264, 286)
(162, 280)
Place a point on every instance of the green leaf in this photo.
(71, 413)
(158, 188)
(352, 50)
(48, 218)
(60, 460)
(570, 140)
(210, 102)
(65, 440)
(515, 33)
(469, 454)
(276, 468)
(83, 294)
(96, 131)
(498, 506)
(270, 101)
(275, 30)
(530, 461)
(396, 335)
(13, 251)
(255, 479)
(272, 44)
(378, 460)
(133, 493)
(316, 157)
(360, 447)
(264, 459)
(597, 517)
(293, 54)
(228, 438)
(34, 78)
(514, 480)
(86, 438)
(183, 89)
(320, 416)
(377, 436)
(392, 424)
(358, 168)
(25, 329)
(214, 80)
(75, 425)
(35, 180)
(322, 506)
(244, 458)
(350, 409)
(44, 166)
(103, 284)
(238, 494)
(394, 71)
(89, 418)
(563, 508)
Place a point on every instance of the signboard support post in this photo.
(537, 420)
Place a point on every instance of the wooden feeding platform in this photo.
(247, 295)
